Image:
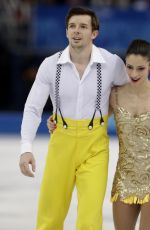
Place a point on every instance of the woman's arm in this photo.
(112, 101)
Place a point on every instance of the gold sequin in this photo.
(132, 178)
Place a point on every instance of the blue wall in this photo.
(10, 123)
(117, 28)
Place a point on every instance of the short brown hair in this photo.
(83, 11)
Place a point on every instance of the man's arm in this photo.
(120, 74)
(32, 117)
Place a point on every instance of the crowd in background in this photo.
(16, 14)
(13, 4)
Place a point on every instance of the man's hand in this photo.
(51, 125)
(27, 159)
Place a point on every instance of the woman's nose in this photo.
(134, 73)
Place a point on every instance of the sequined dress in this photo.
(132, 178)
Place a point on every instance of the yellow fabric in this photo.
(131, 199)
(76, 156)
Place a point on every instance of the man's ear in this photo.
(95, 34)
(66, 33)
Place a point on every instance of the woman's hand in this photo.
(51, 125)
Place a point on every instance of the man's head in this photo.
(83, 11)
(81, 28)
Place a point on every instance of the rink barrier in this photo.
(10, 123)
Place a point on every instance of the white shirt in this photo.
(77, 96)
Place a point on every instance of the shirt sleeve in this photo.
(120, 75)
(34, 107)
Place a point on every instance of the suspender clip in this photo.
(65, 126)
(90, 127)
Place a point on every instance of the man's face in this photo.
(79, 31)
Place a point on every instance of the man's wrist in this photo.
(26, 148)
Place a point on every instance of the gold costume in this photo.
(132, 178)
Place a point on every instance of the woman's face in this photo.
(138, 68)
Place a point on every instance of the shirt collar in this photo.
(65, 56)
(96, 56)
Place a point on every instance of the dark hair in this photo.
(83, 11)
(139, 47)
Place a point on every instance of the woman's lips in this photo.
(135, 79)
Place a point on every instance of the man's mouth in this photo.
(77, 39)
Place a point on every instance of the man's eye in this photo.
(71, 26)
(141, 68)
(129, 67)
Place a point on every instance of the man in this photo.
(79, 82)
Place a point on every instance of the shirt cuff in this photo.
(26, 147)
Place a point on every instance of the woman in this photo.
(131, 107)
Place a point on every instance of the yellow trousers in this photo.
(76, 156)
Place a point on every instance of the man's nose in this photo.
(77, 30)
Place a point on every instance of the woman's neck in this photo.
(140, 89)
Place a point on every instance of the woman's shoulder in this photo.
(119, 88)
(117, 92)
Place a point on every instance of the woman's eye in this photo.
(83, 26)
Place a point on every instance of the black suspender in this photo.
(57, 98)
(98, 97)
